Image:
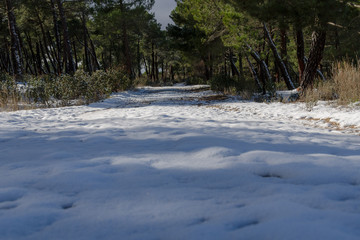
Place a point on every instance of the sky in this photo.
(162, 9)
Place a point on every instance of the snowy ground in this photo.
(167, 163)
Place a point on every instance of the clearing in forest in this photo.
(180, 163)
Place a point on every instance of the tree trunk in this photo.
(283, 48)
(152, 62)
(125, 40)
(38, 60)
(138, 58)
(207, 71)
(282, 66)
(300, 51)
(44, 57)
(262, 63)
(68, 55)
(172, 73)
(315, 57)
(93, 52)
(234, 69)
(53, 52)
(75, 55)
(87, 67)
(156, 67)
(48, 56)
(225, 66)
(241, 68)
(3, 63)
(253, 72)
(162, 70)
(33, 55)
(57, 37)
(147, 69)
(15, 41)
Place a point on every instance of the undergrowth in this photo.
(63, 90)
(343, 87)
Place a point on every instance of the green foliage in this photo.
(8, 90)
(41, 88)
(222, 83)
(63, 90)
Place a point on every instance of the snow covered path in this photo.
(157, 163)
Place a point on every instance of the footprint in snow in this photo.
(7, 195)
(240, 206)
(270, 175)
(67, 206)
(241, 224)
(7, 206)
(199, 221)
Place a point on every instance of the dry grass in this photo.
(214, 98)
(346, 78)
(323, 91)
(9, 100)
(331, 124)
(343, 87)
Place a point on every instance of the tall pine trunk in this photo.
(138, 58)
(300, 51)
(125, 40)
(87, 66)
(315, 57)
(253, 73)
(57, 37)
(15, 41)
(280, 62)
(68, 55)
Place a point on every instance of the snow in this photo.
(168, 163)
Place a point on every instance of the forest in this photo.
(67, 49)
(238, 120)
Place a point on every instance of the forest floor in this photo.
(180, 163)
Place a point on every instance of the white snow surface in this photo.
(167, 163)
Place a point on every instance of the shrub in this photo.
(245, 87)
(40, 89)
(222, 83)
(64, 90)
(8, 91)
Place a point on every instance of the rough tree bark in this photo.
(68, 55)
(315, 57)
(125, 40)
(300, 51)
(57, 37)
(15, 42)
